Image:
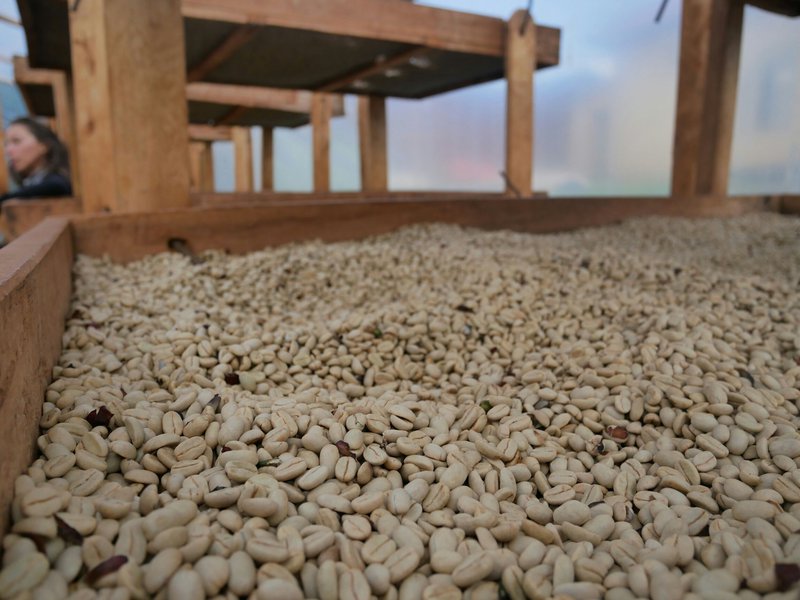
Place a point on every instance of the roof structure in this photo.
(209, 104)
(392, 49)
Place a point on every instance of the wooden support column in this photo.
(520, 63)
(321, 132)
(207, 178)
(372, 143)
(267, 164)
(201, 166)
(711, 34)
(129, 75)
(243, 159)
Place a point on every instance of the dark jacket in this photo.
(52, 184)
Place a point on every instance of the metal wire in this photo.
(525, 22)
(660, 12)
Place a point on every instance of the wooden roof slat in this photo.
(390, 21)
(210, 133)
(233, 114)
(379, 66)
(237, 38)
(256, 97)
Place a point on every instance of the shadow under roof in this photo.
(299, 53)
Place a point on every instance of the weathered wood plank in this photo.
(520, 60)
(35, 287)
(257, 97)
(402, 22)
(129, 76)
(372, 143)
(267, 162)
(243, 159)
(229, 46)
(210, 133)
(19, 216)
(243, 229)
(711, 32)
(321, 141)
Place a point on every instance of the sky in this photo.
(604, 117)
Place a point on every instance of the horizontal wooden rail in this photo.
(246, 228)
(35, 288)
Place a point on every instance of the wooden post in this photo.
(520, 63)
(372, 143)
(243, 159)
(201, 166)
(65, 126)
(267, 164)
(321, 132)
(711, 34)
(129, 75)
(207, 172)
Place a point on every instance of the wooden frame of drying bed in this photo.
(35, 269)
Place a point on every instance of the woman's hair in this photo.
(56, 159)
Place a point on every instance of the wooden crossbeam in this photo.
(232, 115)
(210, 133)
(376, 68)
(235, 40)
(298, 101)
(401, 22)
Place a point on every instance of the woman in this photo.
(37, 161)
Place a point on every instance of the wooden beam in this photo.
(401, 22)
(232, 115)
(129, 76)
(243, 159)
(19, 216)
(321, 134)
(267, 163)
(790, 8)
(372, 143)
(379, 66)
(244, 229)
(256, 97)
(218, 199)
(711, 32)
(210, 133)
(520, 59)
(35, 288)
(235, 40)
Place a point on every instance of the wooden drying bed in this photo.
(35, 281)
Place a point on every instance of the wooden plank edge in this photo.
(129, 237)
(35, 289)
(790, 205)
